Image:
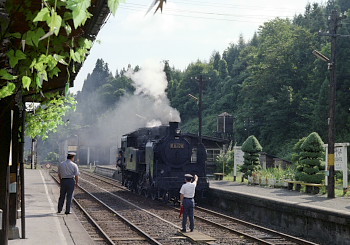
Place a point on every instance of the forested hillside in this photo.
(272, 84)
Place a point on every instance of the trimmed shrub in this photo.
(251, 148)
(310, 164)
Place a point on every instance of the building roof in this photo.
(225, 114)
(209, 138)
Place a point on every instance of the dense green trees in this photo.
(272, 84)
(100, 92)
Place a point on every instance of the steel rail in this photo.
(104, 235)
(136, 228)
(261, 228)
(147, 236)
(261, 241)
(109, 240)
(104, 179)
(132, 204)
(248, 224)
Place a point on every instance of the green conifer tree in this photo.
(251, 148)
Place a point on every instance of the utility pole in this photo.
(334, 25)
(200, 103)
(201, 152)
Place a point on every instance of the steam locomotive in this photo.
(154, 161)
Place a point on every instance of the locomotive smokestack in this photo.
(173, 127)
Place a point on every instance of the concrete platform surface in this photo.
(337, 205)
(43, 225)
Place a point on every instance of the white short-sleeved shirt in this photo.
(68, 169)
(188, 189)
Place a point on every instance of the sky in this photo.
(186, 31)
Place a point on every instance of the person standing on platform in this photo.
(68, 174)
(187, 193)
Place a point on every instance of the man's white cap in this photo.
(72, 153)
(188, 176)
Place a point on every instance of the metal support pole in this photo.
(21, 172)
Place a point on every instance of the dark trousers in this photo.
(67, 188)
(188, 212)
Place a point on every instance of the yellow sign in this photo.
(177, 146)
(330, 159)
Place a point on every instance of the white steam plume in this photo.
(149, 106)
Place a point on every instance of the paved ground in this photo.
(43, 225)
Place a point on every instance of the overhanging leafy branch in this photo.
(50, 39)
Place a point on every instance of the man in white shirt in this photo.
(68, 174)
(187, 193)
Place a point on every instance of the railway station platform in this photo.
(316, 217)
(339, 205)
(43, 224)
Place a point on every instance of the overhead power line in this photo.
(213, 15)
(219, 4)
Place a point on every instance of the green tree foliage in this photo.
(297, 150)
(251, 148)
(101, 91)
(215, 60)
(52, 157)
(49, 115)
(272, 84)
(224, 161)
(41, 54)
(223, 69)
(310, 166)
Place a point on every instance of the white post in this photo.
(88, 155)
(345, 168)
(238, 159)
(326, 167)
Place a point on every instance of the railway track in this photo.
(260, 234)
(225, 229)
(98, 215)
(252, 231)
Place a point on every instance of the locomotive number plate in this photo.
(177, 146)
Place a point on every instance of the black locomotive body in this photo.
(155, 160)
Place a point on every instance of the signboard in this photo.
(238, 159)
(238, 155)
(339, 158)
(72, 148)
(341, 161)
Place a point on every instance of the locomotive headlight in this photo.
(162, 171)
(178, 131)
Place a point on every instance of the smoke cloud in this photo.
(147, 107)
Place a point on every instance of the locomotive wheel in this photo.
(145, 193)
(165, 197)
(153, 195)
(139, 190)
(129, 185)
